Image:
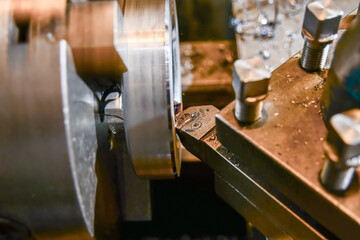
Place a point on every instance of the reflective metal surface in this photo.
(250, 83)
(236, 183)
(341, 150)
(320, 27)
(269, 171)
(152, 87)
(47, 142)
(285, 151)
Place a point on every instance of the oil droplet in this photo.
(276, 114)
(306, 143)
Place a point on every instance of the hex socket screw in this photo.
(342, 151)
(250, 83)
(319, 30)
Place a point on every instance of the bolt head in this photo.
(250, 80)
(321, 21)
(343, 140)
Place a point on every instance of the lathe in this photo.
(92, 117)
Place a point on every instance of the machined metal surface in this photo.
(236, 183)
(281, 155)
(98, 47)
(152, 87)
(342, 150)
(320, 26)
(250, 82)
(47, 142)
(285, 151)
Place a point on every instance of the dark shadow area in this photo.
(204, 20)
(188, 208)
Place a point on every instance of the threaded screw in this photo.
(320, 26)
(314, 56)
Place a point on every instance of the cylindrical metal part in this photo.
(250, 83)
(341, 150)
(320, 26)
(151, 87)
(248, 112)
(314, 56)
(47, 142)
(336, 178)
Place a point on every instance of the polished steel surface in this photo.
(236, 183)
(342, 150)
(47, 142)
(152, 87)
(320, 27)
(250, 83)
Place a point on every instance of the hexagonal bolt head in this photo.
(250, 83)
(342, 151)
(320, 26)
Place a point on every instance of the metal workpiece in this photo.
(98, 47)
(152, 87)
(341, 150)
(47, 143)
(250, 83)
(320, 26)
(341, 92)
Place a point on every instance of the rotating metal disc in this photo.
(47, 143)
(152, 87)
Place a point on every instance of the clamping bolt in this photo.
(250, 83)
(341, 150)
(320, 26)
